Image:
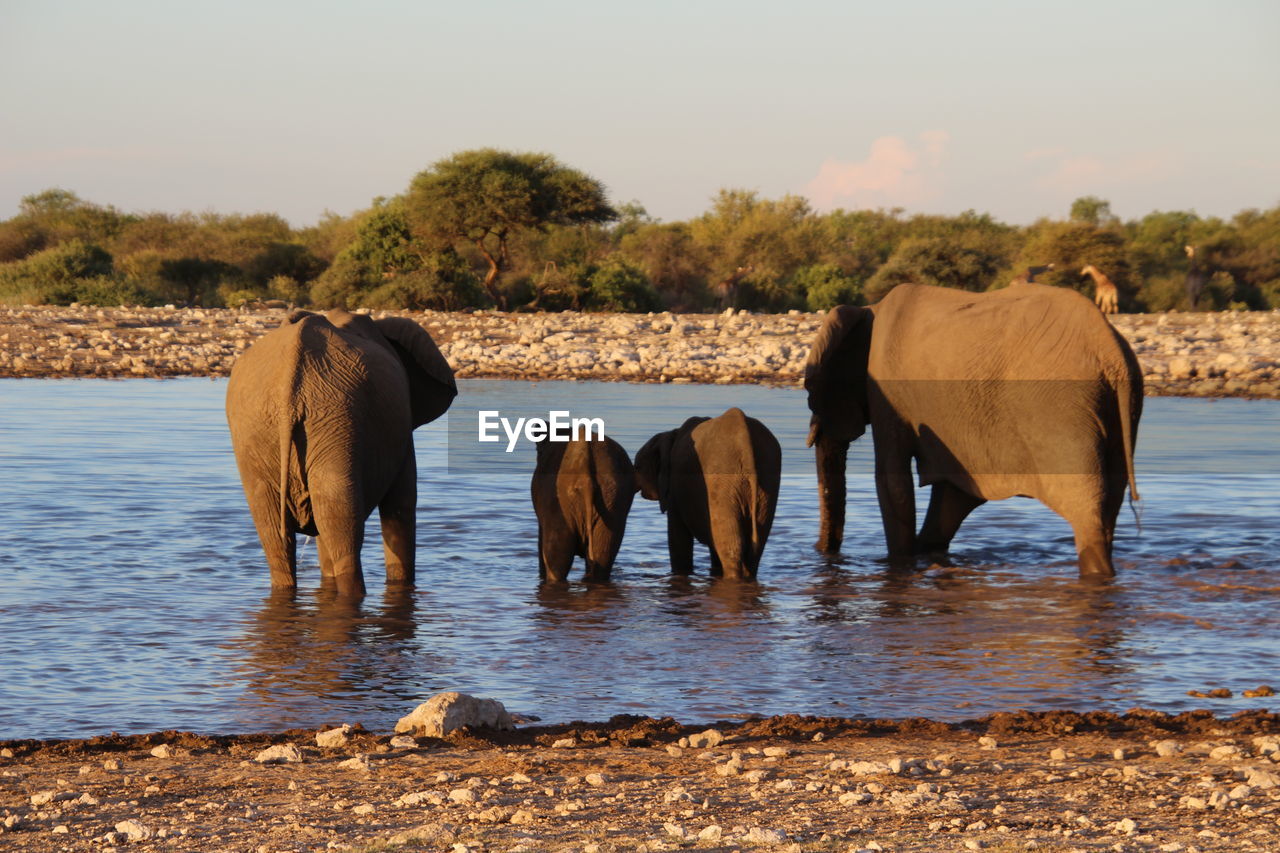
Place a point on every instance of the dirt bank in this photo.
(1052, 781)
(1225, 354)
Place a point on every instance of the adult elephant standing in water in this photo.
(1024, 391)
(322, 412)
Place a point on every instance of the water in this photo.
(135, 597)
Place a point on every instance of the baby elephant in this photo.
(582, 491)
(717, 481)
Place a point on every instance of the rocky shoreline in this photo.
(1228, 354)
(1048, 781)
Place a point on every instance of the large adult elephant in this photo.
(322, 412)
(1024, 391)
(717, 480)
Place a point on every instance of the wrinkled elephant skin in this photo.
(1024, 391)
(322, 412)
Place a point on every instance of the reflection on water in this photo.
(136, 598)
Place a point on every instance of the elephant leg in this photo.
(680, 545)
(949, 506)
(602, 549)
(896, 493)
(398, 513)
(1093, 548)
(717, 565)
(278, 543)
(556, 548)
(340, 528)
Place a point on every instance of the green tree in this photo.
(481, 197)
(677, 267)
(1093, 210)
(939, 261)
(825, 286)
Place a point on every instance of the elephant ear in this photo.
(431, 383)
(835, 375)
(653, 468)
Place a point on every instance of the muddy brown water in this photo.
(135, 597)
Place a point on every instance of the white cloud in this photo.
(894, 174)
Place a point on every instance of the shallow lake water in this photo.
(134, 595)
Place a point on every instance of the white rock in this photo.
(281, 753)
(1168, 748)
(711, 833)
(675, 830)
(1223, 753)
(134, 830)
(1180, 368)
(447, 712)
(706, 739)
(1259, 778)
(359, 762)
(758, 835)
(867, 768)
(333, 738)
(403, 742)
(162, 751)
(462, 795)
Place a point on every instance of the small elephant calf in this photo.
(717, 480)
(582, 492)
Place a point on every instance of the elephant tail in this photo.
(1130, 400)
(290, 416)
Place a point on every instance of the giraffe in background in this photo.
(1197, 276)
(1104, 290)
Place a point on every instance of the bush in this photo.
(618, 285)
(110, 290)
(1164, 293)
(54, 276)
(825, 286)
(441, 281)
(444, 283)
(939, 261)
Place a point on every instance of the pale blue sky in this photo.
(1011, 108)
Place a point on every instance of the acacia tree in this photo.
(482, 197)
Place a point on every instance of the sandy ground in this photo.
(1053, 781)
(1212, 355)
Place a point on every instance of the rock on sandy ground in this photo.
(1055, 781)
(1224, 354)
